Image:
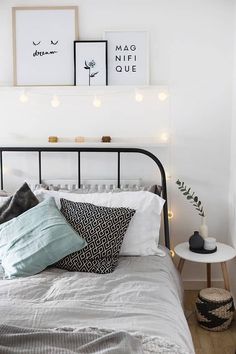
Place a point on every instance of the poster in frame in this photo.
(128, 57)
(43, 40)
(90, 63)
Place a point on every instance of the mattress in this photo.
(143, 295)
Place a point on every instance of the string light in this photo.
(97, 102)
(6, 170)
(163, 96)
(170, 214)
(138, 97)
(55, 102)
(24, 98)
(172, 253)
(164, 137)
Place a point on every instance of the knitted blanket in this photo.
(17, 340)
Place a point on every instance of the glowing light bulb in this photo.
(6, 170)
(170, 214)
(24, 98)
(163, 96)
(55, 102)
(172, 253)
(97, 102)
(164, 137)
(138, 97)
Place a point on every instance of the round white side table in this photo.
(223, 254)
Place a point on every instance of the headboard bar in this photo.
(96, 149)
(118, 170)
(79, 171)
(1, 167)
(40, 168)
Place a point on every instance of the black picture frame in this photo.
(105, 81)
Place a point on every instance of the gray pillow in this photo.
(16, 205)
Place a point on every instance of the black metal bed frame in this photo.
(80, 150)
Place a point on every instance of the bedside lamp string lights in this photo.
(24, 97)
(138, 96)
(96, 102)
(55, 102)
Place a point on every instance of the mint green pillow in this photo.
(36, 239)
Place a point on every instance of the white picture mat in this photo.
(44, 25)
(140, 39)
(87, 51)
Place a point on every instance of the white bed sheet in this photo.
(142, 295)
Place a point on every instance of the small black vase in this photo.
(196, 241)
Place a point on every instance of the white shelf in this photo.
(86, 144)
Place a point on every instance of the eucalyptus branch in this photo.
(191, 197)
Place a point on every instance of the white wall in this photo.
(191, 52)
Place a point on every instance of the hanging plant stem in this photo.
(191, 197)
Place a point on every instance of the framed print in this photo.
(90, 63)
(128, 57)
(43, 40)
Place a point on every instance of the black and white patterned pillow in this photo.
(103, 229)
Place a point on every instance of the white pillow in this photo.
(142, 236)
(3, 193)
(3, 200)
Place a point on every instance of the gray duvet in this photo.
(142, 297)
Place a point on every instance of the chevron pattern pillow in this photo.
(103, 228)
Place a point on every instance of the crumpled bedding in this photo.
(143, 295)
(18, 340)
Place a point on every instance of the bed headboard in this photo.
(80, 150)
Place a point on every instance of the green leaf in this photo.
(196, 199)
(189, 197)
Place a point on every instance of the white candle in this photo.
(209, 243)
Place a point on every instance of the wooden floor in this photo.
(207, 342)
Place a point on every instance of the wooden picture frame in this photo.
(90, 63)
(43, 40)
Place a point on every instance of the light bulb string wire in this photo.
(170, 159)
(31, 91)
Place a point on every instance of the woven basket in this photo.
(215, 309)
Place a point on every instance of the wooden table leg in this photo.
(225, 275)
(208, 275)
(180, 265)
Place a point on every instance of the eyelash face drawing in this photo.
(52, 42)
